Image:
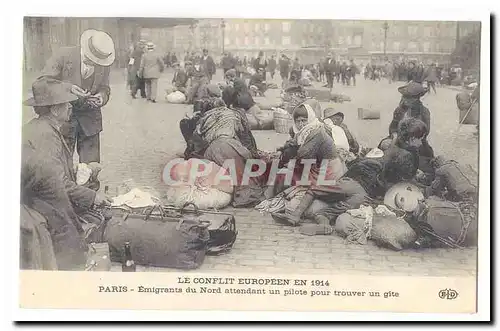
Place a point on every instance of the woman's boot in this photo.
(295, 217)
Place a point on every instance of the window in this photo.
(286, 26)
(267, 41)
(267, 27)
(437, 47)
(427, 46)
(412, 46)
(348, 40)
(396, 46)
(381, 45)
(286, 41)
(247, 27)
(237, 41)
(236, 27)
(257, 27)
(412, 30)
(428, 31)
(247, 41)
(358, 40)
(227, 41)
(341, 40)
(257, 40)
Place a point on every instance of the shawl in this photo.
(218, 122)
(313, 124)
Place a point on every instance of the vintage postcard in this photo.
(252, 164)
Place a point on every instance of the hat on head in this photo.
(330, 112)
(48, 92)
(150, 45)
(98, 46)
(213, 91)
(412, 89)
(231, 73)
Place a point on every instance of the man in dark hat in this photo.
(136, 82)
(180, 78)
(87, 67)
(209, 65)
(57, 195)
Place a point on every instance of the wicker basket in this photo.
(282, 122)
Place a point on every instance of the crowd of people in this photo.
(59, 210)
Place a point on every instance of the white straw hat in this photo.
(98, 46)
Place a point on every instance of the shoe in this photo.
(153, 101)
(294, 218)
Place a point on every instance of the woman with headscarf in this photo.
(311, 141)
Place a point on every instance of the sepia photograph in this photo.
(226, 153)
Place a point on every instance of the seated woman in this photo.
(365, 178)
(312, 141)
(258, 81)
(237, 95)
(221, 135)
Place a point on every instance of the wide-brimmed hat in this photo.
(412, 89)
(98, 46)
(48, 92)
(403, 196)
(231, 73)
(150, 45)
(329, 112)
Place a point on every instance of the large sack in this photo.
(264, 117)
(36, 250)
(320, 94)
(158, 240)
(352, 228)
(266, 103)
(204, 197)
(186, 171)
(176, 97)
(447, 220)
(392, 232)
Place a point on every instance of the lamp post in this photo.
(385, 26)
(223, 27)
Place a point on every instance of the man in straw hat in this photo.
(57, 196)
(151, 68)
(87, 67)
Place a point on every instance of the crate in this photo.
(368, 114)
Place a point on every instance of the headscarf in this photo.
(312, 124)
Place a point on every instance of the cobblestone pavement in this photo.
(139, 138)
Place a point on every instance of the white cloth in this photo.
(338, 135)
(312, 123)
(135, 199)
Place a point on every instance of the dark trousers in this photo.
(138, 84)
(329, 79)
(87, 147)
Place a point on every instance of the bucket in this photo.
(282, 122)
(368, 114)
(472, 117)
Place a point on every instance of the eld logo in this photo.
(448, 293)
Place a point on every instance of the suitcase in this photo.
(222, 227)
(158, 237)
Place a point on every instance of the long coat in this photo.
(151, 65)
(43, 192)
(209, 65)
(49, 144)
(65, 65)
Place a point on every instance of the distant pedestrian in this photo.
(271, 66)
(151, 68)
(209, 65)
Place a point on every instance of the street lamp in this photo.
(385, 26)
(223, 27)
